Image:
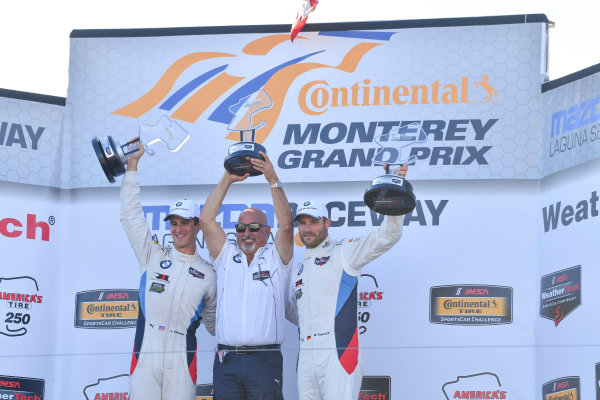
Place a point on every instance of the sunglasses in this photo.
(253, 227)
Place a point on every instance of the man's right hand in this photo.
(235, 178)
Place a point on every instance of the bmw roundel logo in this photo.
(306, 203)
(237, 258)
(178, 204)
(165, 264)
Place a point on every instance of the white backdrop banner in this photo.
(461, 99)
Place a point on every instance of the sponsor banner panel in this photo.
(570, 128)
(30, 143)
(332, 104)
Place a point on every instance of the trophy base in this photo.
(390, 195)
(237, 161)
(108, 152)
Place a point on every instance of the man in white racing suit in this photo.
(177, 291)
(324, 300)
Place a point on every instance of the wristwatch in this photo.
(276, 185)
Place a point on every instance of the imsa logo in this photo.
(470, 305)
(561, 389)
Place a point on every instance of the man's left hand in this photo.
(401, 170)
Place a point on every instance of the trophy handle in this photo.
(243, 138)
(130, 147)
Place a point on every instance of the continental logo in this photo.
(566, 388)
(317, 97)
(106, 309)
(470, 305)
(560, 294)
(220, 88)
(375, 388)
(18, 388)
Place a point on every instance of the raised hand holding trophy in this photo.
(391, 194)
(237, 161)
(113, 157)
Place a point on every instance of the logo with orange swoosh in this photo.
(188, 101)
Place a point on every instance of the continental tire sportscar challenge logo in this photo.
(470, 305)
(20, 298)
(17, 388)
(106, 309)
(566, 388)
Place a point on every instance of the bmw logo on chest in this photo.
(164, 264)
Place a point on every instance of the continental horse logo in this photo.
(491, 91)
(188, 101)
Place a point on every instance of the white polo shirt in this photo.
(251, 299)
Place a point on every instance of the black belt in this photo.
(248, 349)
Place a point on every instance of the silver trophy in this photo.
(391, 194)
(113, 157)
(238, 157)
